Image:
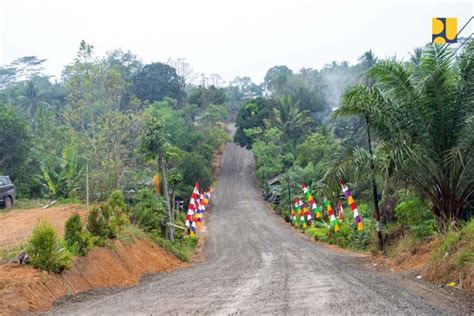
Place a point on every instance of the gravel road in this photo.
(256, 264)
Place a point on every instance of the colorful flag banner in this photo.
(192, 206)
(306, 213)
(193, 226)
(296, 217)
(293, 214)
(298, 212)
(352, 204)
(332, 218)
(302, 210)
(207, 197)
(200, 209)
(341, 210)
(311, 201)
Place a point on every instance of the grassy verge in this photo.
(130, 233)
(181, 248)
(24, 204)
(7, 255)
(456, 248)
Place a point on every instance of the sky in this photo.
(227, 37)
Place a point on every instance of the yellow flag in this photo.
(156, 182)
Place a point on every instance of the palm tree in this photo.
(289, 119)
(31, 99)
(415, 57)
(423, 119)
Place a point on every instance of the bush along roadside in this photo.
(342, 227)
(46, 251)
(415, 224)
(413, 241)
(109, 220)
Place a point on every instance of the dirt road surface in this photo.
(258, 265)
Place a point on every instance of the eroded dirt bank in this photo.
(24, 289)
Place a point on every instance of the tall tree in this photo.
(202, 96)
(14, 142)
(30, 98)
(157, 81)
(252, 115)
(276, 77)
(290, 120)
(184, 70)
(153, 146)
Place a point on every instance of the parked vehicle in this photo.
(7, 192)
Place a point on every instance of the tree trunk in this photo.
(167, 196)
(374, 188)
(173, 206)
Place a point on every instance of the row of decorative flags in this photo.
(196, 208)
(300, 215)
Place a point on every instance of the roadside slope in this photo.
(25, 289)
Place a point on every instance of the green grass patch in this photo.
(405, 244)
(181, 248)
(7, 255)
(22, 204)
(129, 233)
(25, 204)
(465, 257)
(457, 246)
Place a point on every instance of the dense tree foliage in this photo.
(422, 118)
(418, 113)
(96, 118)
(15, 141)
(251, 119)
(156, 81)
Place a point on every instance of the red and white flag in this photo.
(192, 206)
(341, 210)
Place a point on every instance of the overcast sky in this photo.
(230, 38)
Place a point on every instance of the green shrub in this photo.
(407, 243)
(117, 210)
(97, 223)
(45, 250)
(458, 244)
(106, 220)
(180, 248)
(130, 233)
(78, 241)
(450, 240)
(318, 233)
(412, 210)
(362, 240)
(340, 238)
(116, 200)
(424, 229)
(465, 257)
(149, 212)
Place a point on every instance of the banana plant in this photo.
(63, 178)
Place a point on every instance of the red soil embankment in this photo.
(24, 289)
(16, 226)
